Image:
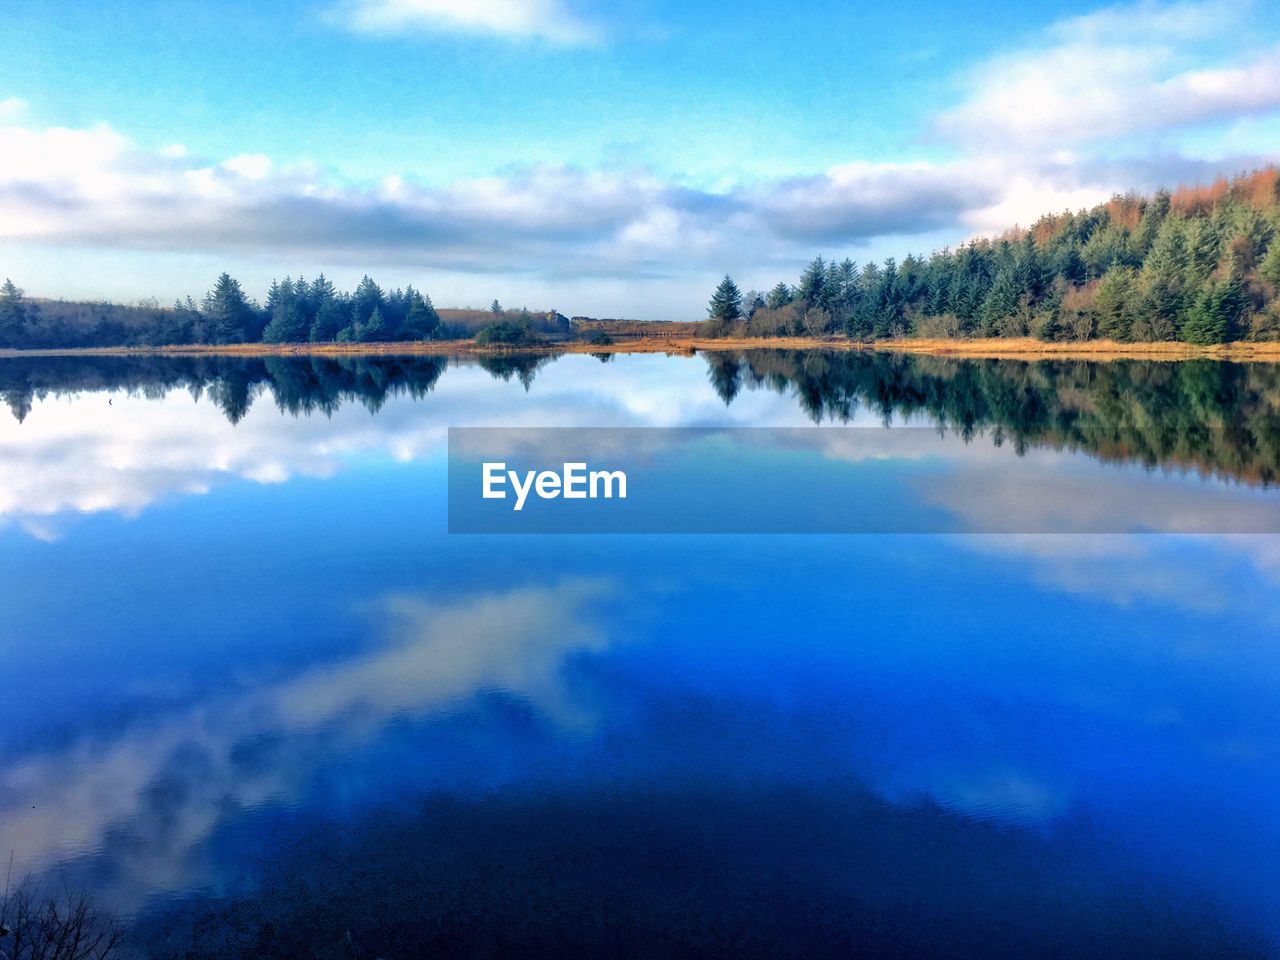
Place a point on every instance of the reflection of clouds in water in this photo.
(147, 798)
(80, 455)
(1119, 568)
(1073, 523)
(1048, 492)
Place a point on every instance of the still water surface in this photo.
(258, 700)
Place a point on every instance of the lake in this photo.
(261, 702)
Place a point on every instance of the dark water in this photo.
(260, 702)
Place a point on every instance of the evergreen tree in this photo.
(422, 321)
(1000, 304)
(374, 330)
(1215, 314)
(227, 314)
(367, 298)
(725, 306)
(1269, 267)
(1047, 325)
(813, 283)
(495, 307)
(331, 313)
(778, 297)
(288, 324)
(1114, 304)
(14, 315)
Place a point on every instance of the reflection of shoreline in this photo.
(1024, 348)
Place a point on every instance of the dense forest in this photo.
(1200, 264)
(296, 311)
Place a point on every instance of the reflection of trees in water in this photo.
(55, 922)
(298, 385)
(1219, 418)
(507, 365)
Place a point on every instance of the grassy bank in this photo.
(1022, 349)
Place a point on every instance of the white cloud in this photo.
(251, 166)
(1119, 71)
(94, 187)
(549, 20)
(1145, 20)
(12, 108)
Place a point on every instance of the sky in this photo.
(603, 159)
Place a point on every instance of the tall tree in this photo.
(1215, 315)
(813, 283)
(778, 297)
(227, 313)
(422, 322)
(13, 316)
(367, 298)
(1269, 267)
(725, 306)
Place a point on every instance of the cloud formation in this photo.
(1034, 131)
(1119, 71)
(549, 20)
(96, 187)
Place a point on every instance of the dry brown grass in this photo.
(1022, 348)
(1028, 348)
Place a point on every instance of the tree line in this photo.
(296, 311)
(1199, 264)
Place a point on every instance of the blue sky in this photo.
(608, 159)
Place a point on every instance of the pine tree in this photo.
(226, 312)
(1269, 267)
(778, 297)
(330, 313)
(367, 298)
(1000, 304)
(1214, 316)
(374, 330)
(813, 282)
(422, 322)
(288, 324)
(13, 316)
(725, 306)
(1115, 303)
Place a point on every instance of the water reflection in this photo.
(1219, 418)
(698, 866)
(134, 806)
(267, 703)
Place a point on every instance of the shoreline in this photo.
(992, 348)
